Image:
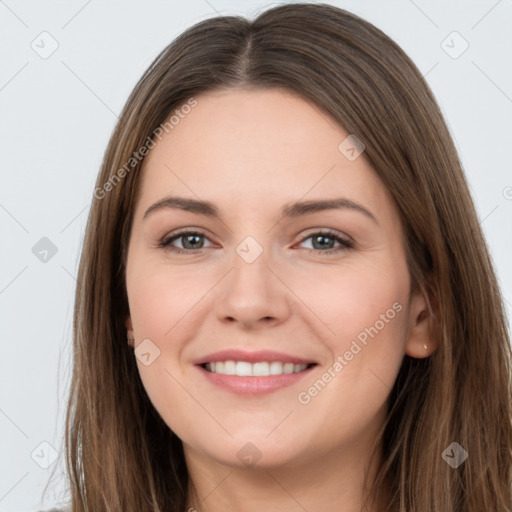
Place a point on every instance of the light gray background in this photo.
(57, 113)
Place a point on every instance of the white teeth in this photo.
(229, 367)
(276, 368)
(288, 368)
(242, 368)
(260, 369)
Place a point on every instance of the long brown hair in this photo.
(121, 456)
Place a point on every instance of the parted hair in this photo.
(120, 455)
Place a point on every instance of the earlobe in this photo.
(420, 342)
(129, 332)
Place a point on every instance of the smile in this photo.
(258, 369)
(253, 373)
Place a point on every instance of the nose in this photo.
(253, 294)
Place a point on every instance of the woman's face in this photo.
(268, 283)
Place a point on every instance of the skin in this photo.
(250, 152)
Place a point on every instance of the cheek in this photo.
(161, 302)
(365, 310)
(355, 296)
(164, 303)
(161, 296)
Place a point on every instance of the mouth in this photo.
(253, 373)
(258, 369)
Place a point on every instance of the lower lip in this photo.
(254, 385)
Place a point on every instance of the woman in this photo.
(286, 301)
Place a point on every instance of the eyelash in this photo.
(345, 244)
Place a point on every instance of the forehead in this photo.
(272, 124)
(257, 146)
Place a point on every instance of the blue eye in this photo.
(322, 238)
(193, 242)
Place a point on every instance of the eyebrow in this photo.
(292, 210)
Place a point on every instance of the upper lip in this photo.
(251, 357)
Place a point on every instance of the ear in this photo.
(420, 329)
(128, 323)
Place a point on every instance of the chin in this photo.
(253, 453)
